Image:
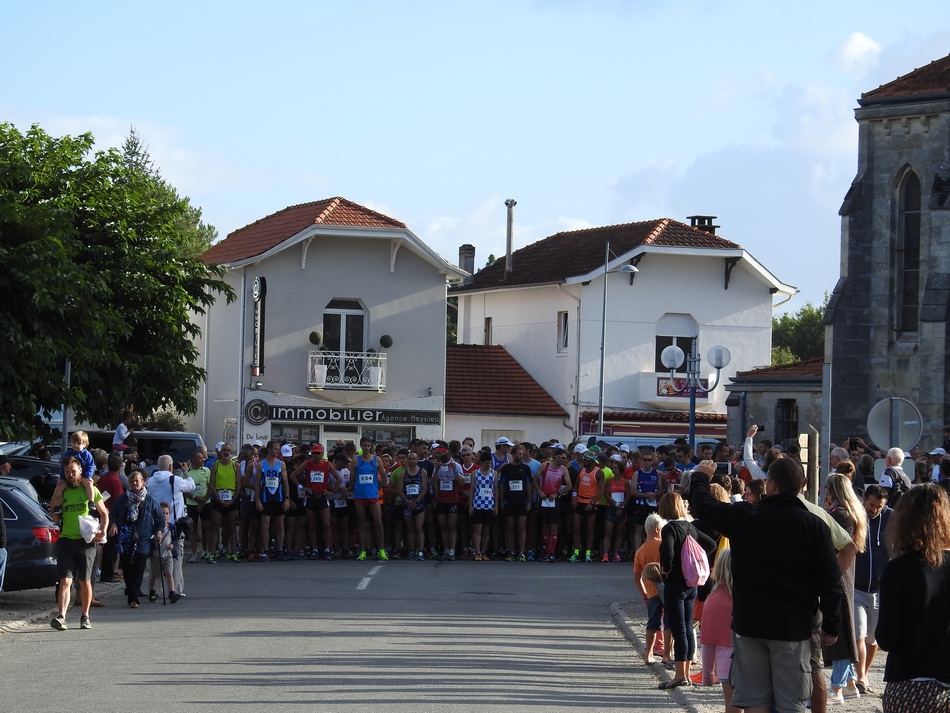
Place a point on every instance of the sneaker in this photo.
(450, 556)
(193, 558)
(328, 555)
(510, 558)
(850, 693)
(211, 559)
(58, 623)
(383, 557)
(531, 555)
(262, 557)
(174, 597)
(575, 558)
(362, 556)
(605, 558)
(84, 622)
(522, 558)
(231, 557)
(587, 559)
(834, 698)
(618, 558)
(152, 597)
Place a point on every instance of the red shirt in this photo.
(316, 476)
(110, 483)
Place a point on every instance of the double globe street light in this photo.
(672, 358)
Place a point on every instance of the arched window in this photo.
(907, 262)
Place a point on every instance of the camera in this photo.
(724, 468)
(183, 526)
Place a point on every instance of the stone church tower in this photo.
(886, 325)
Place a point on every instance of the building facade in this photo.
(338, 330)
(886, 324)
(549, 313)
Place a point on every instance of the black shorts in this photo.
(345, 511)
(272, 508)
(296, 511)
(616, 515)
(75, 559)
(483, 517)
(550, 515)
(204, 515)
(317, 503)
(223, 509)
(642, 512)
(516, 509)
(446, 508)
(581, 509)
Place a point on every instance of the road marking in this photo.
(364, 583)
(375, 569)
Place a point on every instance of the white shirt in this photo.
(121, 433)
(160, 488)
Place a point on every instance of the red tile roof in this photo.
(930, 81)
(487, 379)
(578, 252)
(656, 416)
(809, 369)
(264, 234)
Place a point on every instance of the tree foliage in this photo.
(97, 271)
(801, 335)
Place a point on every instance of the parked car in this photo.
(31, 542)
(42, 474)
(634, 442)
(180, 445)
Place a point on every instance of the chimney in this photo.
(467, 260)
(703, 222)
(510, 204)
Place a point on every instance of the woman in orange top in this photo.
(590, 488)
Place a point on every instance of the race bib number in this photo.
(201, 489)
(617, 498)
(367, 479)
(316, 476)
(271, 482)
(467, 478)
(339, 502)
(446, 485)
(515, 486)
(225, 496)
(651, 502)
(548, 503)
(485, 493)
(412, 490)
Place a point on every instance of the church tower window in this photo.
(907, 263)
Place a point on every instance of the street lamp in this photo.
(672, 358)
(626, 269)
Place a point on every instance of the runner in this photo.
(615, 491)
(198, 504)
(590, 487)
(314, 475)
(342, 501)
(646, 488)
(271, 488)
(448, 481)
(552, 481)
(223, 490)
(469, 468)
(514, 484)
(484, 505)
(413, 487)
(369, 476)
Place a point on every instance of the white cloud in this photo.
(857, 54)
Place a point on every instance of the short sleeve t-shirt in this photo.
(75, 504)
(201, 476)
(514, 479)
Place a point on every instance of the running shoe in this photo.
(362, 556)
(531, 555)
(262, 557)
(328, 555)
(58, 623)
(587, 559)
(211, 559)
(383, 557)
(450, 556)
(232, 558)
(605, 558)
(575, 557)
(193, 558)
(618, 558)
(152, 597)
(84, 622)
(522, 558)
(510, 558)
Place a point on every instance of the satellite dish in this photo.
(895, 423)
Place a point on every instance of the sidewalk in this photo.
(630, 618)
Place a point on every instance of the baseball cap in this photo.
(624, 448)
(590, 455)
(316, 448)
(219, 445)
(557, 445)
(286, 451)
(616, 457)
(503, 441)
(938, 452)
(580, 448)
(257, 443)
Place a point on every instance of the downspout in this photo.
(204, 413)
(240, 414)
(577, 371)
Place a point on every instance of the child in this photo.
(651, 586)
(162, 559)
(122, 432)
(716, 630)
(79, 448)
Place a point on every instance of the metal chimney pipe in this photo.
(510, 204)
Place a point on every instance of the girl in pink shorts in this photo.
(716, 630)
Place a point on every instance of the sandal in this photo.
(669, 665)
(133, 605)
(674, 684)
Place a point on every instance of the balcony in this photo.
(354, 371)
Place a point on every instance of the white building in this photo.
(338, 330)
(548, 314)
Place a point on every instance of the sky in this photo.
(587, 113)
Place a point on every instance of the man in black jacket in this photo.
(867, 574)
(783, 569)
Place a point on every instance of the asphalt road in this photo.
(344, 636)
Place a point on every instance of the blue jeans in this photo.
(678, 604)
(842, 670)
(3, 565)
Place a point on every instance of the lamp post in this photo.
(626, 269)
(672, 358)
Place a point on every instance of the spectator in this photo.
(111, 488)
(163, 558)
(168, 488)
(716, 629)
(137, 520)
(914, 623)
(868, 565)
(783, 566)
(893, 479)
(650, 552)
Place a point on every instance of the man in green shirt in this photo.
(74, 555)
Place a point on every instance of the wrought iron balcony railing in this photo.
(359, 371)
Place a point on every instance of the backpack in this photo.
(695, 563)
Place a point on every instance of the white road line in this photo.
(375, 570)
(364, 583)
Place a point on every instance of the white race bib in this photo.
(485, 492)
(446, 485)
(412, 490)
(225, 496)
(651, 502)
(367, 479)
(617, 498)
(548, 503)
(515, 486)
(271, 482)
(316, 476)
(339, 502)
(467, 478)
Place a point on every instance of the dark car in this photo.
(31, 542)
(42, 474)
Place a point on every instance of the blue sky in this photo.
(586, 113)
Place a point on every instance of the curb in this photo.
(682, 695)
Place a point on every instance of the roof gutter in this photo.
(904, 99)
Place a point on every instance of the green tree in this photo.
(95, 271)
(802, 335)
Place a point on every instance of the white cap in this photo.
(219, 445)
(503, 441)
(616, 457)
(558, 445)
(257, 443)
(938, 452)
(286, 451)
(624, 448)
(580, 448)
